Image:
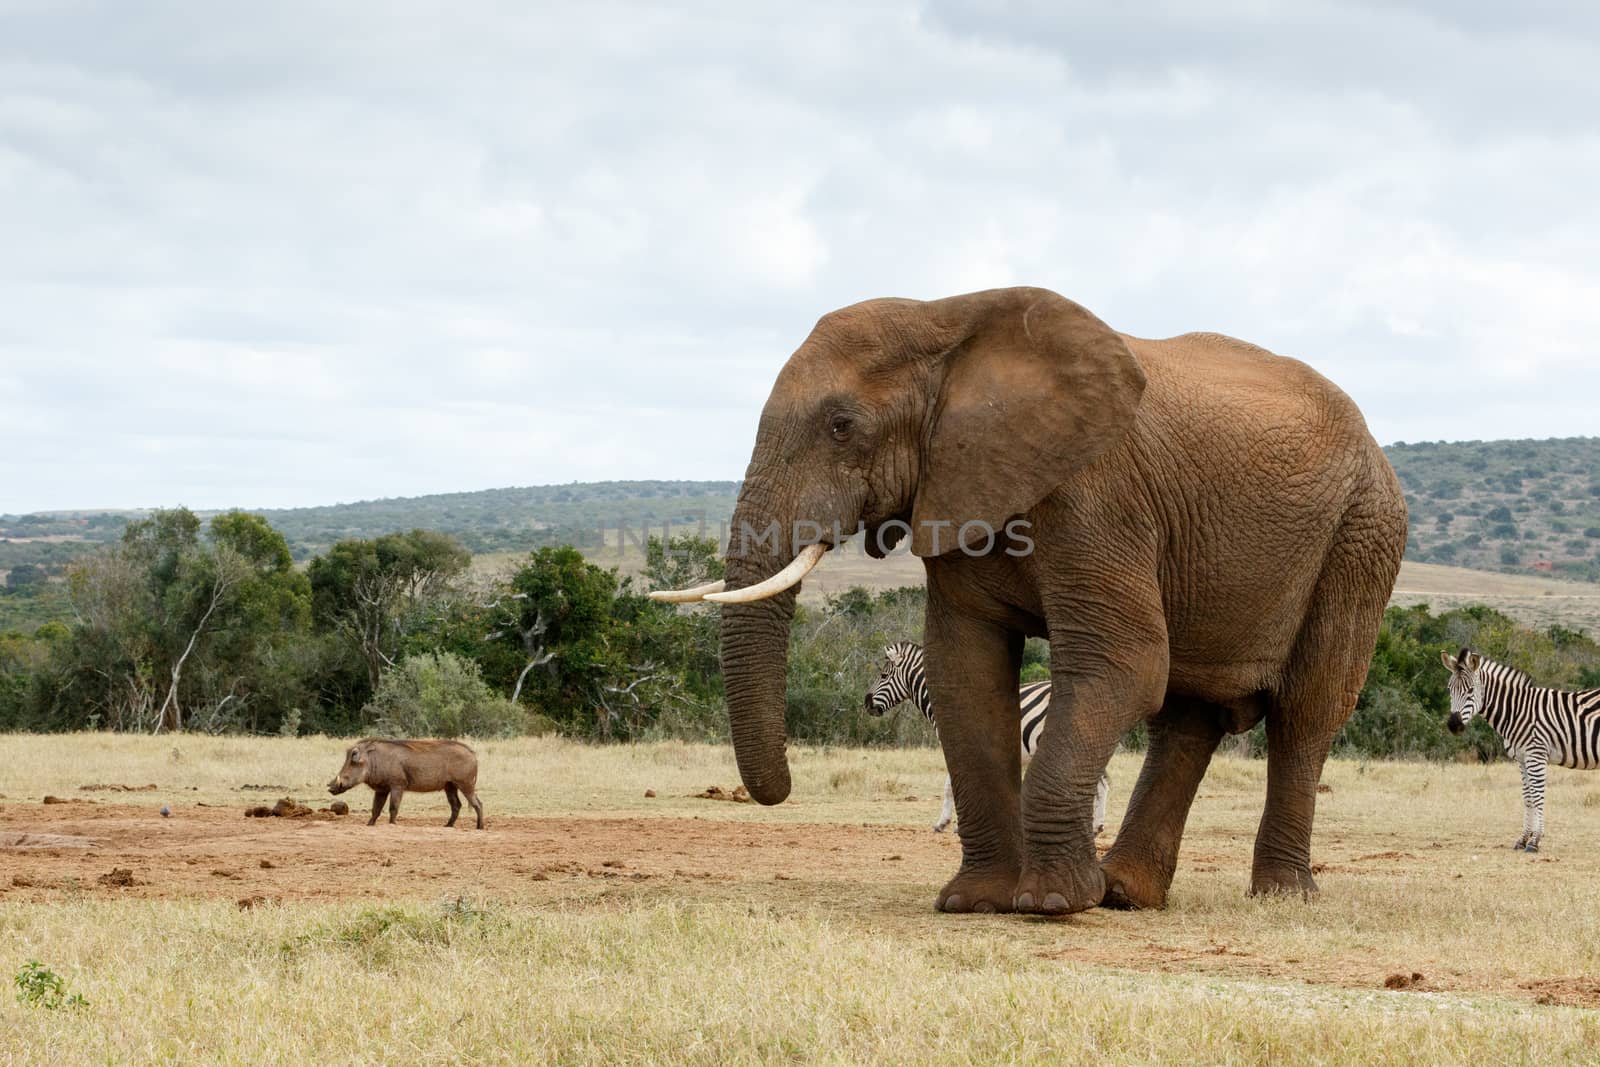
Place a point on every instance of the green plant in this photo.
(440, 694)
(39, 986)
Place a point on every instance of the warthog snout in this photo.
(351, 774)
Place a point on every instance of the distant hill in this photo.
(1521, 507)
(487, 520)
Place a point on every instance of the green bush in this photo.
(439, 694)
(1404, 703)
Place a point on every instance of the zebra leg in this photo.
(1101, 793)
(1533, 774)
(972, 671)
(1141, 862)
(1527, 805)
(948, 812)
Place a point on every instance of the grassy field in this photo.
(592, 924)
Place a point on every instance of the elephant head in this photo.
(944, 419)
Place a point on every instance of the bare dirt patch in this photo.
(118, 876)
(111, 788)
(29, 841)
(1574, 992)
(516, 858)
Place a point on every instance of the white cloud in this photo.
(296, 253)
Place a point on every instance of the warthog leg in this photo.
(378, 797)
(454, 798)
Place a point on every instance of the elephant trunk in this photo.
(755, 665)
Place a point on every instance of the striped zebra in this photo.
(1538, 726)
(903, 678)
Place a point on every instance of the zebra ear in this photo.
(891, 653)
(1448, 660)
(1472, 660)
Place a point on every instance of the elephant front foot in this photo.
(1134, 886)
(1060, 890)
(983, 893)
(1283, 881)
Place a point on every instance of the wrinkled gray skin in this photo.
(1215, 535)
(393, 768)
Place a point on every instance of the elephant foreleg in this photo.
(972, 675)
(1139, 867)
(1093, 705)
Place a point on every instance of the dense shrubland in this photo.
(211, 626)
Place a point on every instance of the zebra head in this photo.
(894, 677)
(1465, 687)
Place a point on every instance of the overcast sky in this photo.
(270, 254)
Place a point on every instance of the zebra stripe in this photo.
(1537, 725)
(904, 678)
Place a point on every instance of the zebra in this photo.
(1538, 726)
(903, 678)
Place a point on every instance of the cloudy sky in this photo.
(278, 254)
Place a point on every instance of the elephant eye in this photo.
(840, 427)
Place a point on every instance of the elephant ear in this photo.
(1033, 387)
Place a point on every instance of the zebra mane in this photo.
(1505, 672)
(903, 651)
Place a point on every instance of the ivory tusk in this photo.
(797, 569)
(687, 596)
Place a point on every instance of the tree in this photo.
(170, 625)
(555, 609)
(681, 561)
(26, 575)
(368, 590)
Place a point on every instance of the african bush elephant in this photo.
(1205, 532)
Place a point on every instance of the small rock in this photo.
(339, 807)
(267, 865)
(166, 812)
(650, 793)
(55, 800)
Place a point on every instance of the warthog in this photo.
(393, 767)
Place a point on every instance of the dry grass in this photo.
(819, 966)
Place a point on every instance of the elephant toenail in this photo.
(984, 907)
(954, 902)
(1025, 902)
(1054, 902)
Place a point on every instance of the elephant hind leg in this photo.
(1318, 690)
(1139, 867)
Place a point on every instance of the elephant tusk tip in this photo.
(686, 596)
